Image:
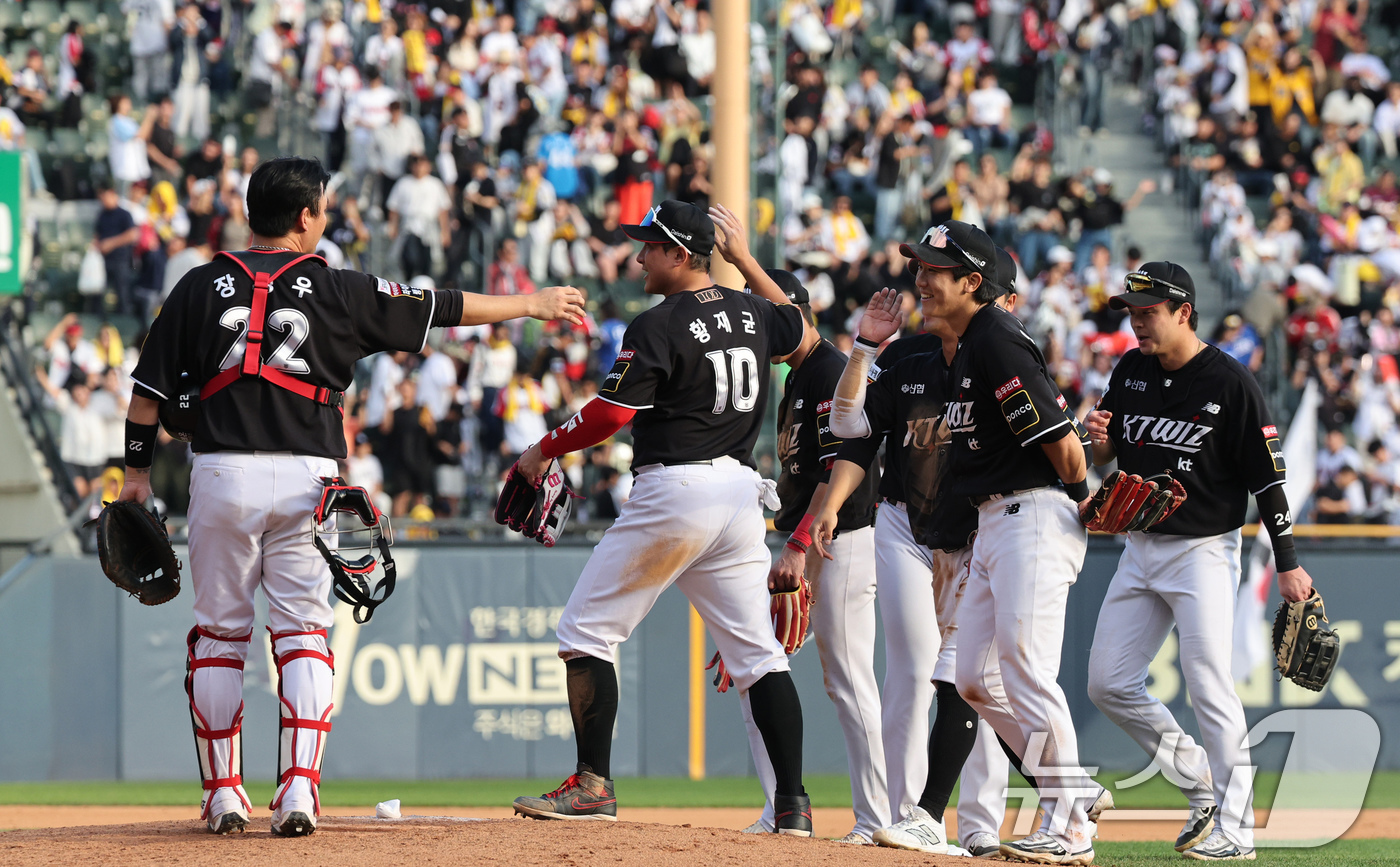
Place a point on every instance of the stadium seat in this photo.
(41, 13)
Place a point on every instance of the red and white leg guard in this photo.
(304, 670)
(214, 683)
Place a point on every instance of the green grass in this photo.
(826, 791)
(1342, 852)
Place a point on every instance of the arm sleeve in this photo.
(389, 317)
(643, 363)
(1027, 399)
(592, 424)
(848, 417)
(1278, 520)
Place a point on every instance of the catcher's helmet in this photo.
(350, 577)
(179, 414)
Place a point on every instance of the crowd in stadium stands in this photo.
(1282, 125)
(534, 129)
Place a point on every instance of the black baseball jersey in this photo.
(695, 367)
(892, 480)
(807, 448)
(319, 322)
(1003, 408)
(1206, 424)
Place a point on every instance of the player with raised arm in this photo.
(692, 379)
(270, 336)
(1178, 406)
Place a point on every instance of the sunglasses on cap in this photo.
(938, 238)
(1136, 282)
(653, 218)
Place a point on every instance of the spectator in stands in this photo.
(398, 140)
(988, 114)
(493, 363)
(364, 470)
(1095, 39)
(896, 145)
(83, 436)
(150, 50)
(408, 434)
(1352, 110)
(612, 249)
(437, 380)
(1342, 498)
(1099, 211)
(126, 142)
(189, 75)
(420, 208)
(1238, 339)
(520, 406)
(115, 236)
(1334, 455)
(1036, 202)
(31, 92)
(72, 358)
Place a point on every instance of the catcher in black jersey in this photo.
(270, 335)
(1177, 405)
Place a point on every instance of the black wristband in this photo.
(1278, 521)
(140, 444)
(1078, 491)
(447, 310)
(863, 342)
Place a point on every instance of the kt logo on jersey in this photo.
(1183, 436)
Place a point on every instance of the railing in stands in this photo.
(29, 401)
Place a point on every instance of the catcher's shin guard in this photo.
(304, 670)
(214, 683)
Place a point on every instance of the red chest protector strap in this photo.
(252, 364)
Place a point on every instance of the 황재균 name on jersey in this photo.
(1183, 436)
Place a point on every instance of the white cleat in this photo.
(919, 832)
(293, 823)
(227, 812)
(1102, 803)
(983, 845)
(1041, 848)
(1218, 847)
(855, 838)
(757, 828)
(1197, 827)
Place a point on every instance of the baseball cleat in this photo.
(1218, 847)
(1041, 848)
(919, 832)
(226, 812)
(1197, 827)
(757, 828)
(293, 824)
(792, 815)
(855, 838)
(584, 796)
(983, 845)
(227, 823)
(1103, 802)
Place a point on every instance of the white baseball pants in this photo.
(1029, 549)
(701, 528)
(1190, 581)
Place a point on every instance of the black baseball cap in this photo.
(1006, 272)
(1154, 283)
(676, 222)
(791, 286)
(953, 245)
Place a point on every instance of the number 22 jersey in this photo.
(695, 368)
(319, 322)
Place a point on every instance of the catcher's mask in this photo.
(351, 577)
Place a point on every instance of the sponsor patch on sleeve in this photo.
(626, 355)
(1275, 450)
(874, 373)
(1007, 387)
(614, 377)
(1019, 411)
(398, 290)
(1061, 402)
(825, 438)
(1269, 431)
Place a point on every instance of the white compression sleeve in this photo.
(848, 419)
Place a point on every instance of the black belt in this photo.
(898, 503)
(708, 463)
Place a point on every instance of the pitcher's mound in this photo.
(430, 840)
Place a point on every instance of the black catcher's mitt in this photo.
(540, 511)
(136, 554)
(1305, 652)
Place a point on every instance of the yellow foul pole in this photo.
(730, 123)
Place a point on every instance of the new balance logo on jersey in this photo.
(967, 382)
(1212, 408)
(1013, 509)
(797, 404)
(1183, 436)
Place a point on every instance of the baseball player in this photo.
(1177, 405)
(843, 583)
(905, 401)
(272, 334)
(692, 380)
(1016, 453)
